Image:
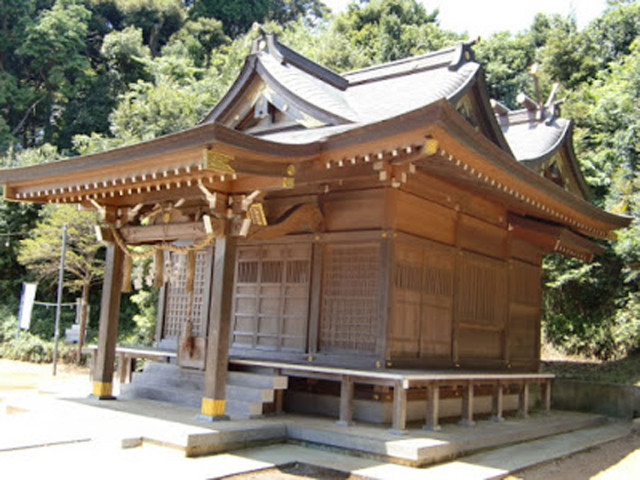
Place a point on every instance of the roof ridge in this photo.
(268, 43)
(400, 61)
(453, 57)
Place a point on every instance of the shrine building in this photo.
(379, 231)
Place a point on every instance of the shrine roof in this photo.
(354, 98)
(289, 120)
(531, 138)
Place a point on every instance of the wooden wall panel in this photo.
(481, 307)
(481, 237)
(437, 301)
(420, 326)
(476, 343)
(360, 210)
(424, 218)
(525, 251)
(406, 310)
(525, 292)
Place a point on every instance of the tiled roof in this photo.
(531, 137)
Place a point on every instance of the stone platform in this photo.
(415, 448)
(128, 436)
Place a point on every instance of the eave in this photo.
(153, 165)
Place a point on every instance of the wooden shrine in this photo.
(387, 218)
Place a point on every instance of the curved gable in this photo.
(283, 89)
(544, 143)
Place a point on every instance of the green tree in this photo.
(40, 253)
(236, 17)
(392, 29)
(197, 39)
(158, 19)
(506, 59)
(593, 310)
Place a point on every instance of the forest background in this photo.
(81, 76)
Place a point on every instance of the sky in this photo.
(483, 17)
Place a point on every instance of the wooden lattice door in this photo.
(271, 297)
(349, 320)
(180, 305)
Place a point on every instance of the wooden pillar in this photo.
(216, 362)
(399, 425)
(523, 400)
(316, 300)
(545, 393)
(346, 401)
(497, 402)
(467, 405)
(433, 407)
(109, 317)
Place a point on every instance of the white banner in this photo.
(26, 304)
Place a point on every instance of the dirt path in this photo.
(619, 460)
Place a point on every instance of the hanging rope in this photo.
(158, 279)
(191, 271)
(126, 274)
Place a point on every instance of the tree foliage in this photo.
(83, 266)
(80, 76)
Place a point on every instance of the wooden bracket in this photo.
(301, 218)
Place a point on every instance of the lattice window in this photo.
(350, 287)
(271, 297)
(177, 298)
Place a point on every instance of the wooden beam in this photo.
(109, 317)
(170, 232)
(217, 354)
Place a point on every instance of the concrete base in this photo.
(415, 448)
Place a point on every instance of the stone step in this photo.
(162, 394)
(499, 462)
(246, 392)
(249, 394)
(172, 380)
(258, 380)
(169, 369)
(243, 409)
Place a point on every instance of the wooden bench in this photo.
(127, 357)
(402, 381)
